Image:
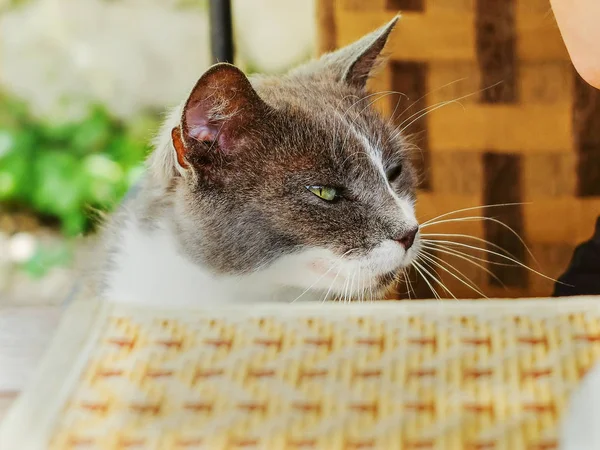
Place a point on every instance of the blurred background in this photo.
(83, 85)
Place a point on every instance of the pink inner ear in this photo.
(198, 124)
(202, 132)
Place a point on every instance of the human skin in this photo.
(579, 23)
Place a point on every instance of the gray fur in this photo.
(242, 201)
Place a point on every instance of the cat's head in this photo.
(296, 176)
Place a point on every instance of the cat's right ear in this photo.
(355, 63)
(219, 111)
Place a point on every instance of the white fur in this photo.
(163, 160)
(149, 268)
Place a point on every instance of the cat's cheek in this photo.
(322, 268)
(311, 268)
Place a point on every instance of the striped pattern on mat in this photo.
(411, 375)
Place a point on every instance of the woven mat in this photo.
(485, 375)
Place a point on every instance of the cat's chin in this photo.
(371, 294)
(321, 274)
(375, 288)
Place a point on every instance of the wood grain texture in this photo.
(326, 33)
(502, 175)
(405, 5)
(496, 37)
(410, 78)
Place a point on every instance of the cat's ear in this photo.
(216, 115)
(354, 63)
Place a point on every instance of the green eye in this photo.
(327, 193)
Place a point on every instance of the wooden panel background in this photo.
(524, 128)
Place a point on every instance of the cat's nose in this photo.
(407, 239)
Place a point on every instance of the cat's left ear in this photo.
(355, 63)
(216, 117)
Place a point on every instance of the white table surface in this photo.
(24, 334)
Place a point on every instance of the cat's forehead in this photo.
(328, 132)
(327, 102)
(327, 138)
(328, 113)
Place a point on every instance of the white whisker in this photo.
(437, 244)
(343, 296)
(408, 283)
(517, 262)
(332, 284)
(437, 279)
(432, 108)
(467, 281)
(427, 94)
(360, 284)
(466, 257)
(433, 291)
(472, 208)
(349, 299)
(313, 285)
(491, 219)
(466, 236)
(422, 114)
(420, 268)
(371, 291)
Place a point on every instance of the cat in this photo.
(269, 188)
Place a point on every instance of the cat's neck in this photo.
(146, 266)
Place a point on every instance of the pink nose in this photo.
(407, 239)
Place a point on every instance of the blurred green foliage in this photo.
(67, 171)
(46, 257)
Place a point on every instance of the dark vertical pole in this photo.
(221, 31)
